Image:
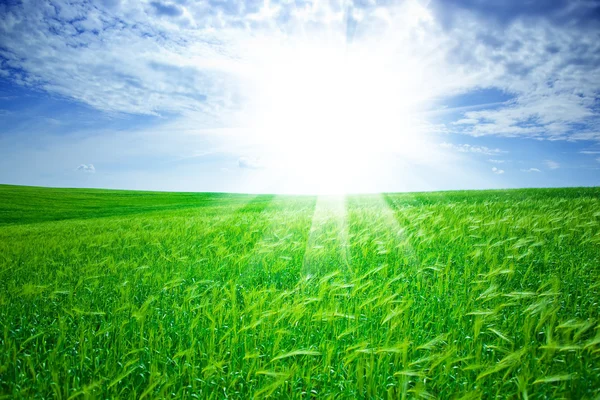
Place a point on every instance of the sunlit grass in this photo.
(124, 294)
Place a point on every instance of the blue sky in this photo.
(300, 96)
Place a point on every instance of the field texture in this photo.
(107, 294)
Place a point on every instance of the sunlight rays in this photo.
(280, 247)
(327, 247)
(390, 221)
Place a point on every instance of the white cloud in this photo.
(493, 161)
(129, 61)
(531, 170)
(250, 163)
(466, 121)
(467, 148)
(589, 152)
(552, 72)
(552, 164)
(87, 168)
(497, 171)
(598, 159)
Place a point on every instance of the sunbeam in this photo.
(327, 247)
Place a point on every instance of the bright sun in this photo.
(324, 111)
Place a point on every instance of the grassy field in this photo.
(107, 294)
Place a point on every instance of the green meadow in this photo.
(466, 294)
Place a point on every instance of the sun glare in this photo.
(334, 97)
(333, 107)
(323, 106)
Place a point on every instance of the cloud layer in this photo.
(205, 60)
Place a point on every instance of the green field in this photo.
(474, 294)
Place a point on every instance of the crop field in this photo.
(472, 294)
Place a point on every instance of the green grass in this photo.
(107, 294)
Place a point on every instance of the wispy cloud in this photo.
(465, 121)
(250, 163)
(531, 170)
(550, 164)
(497, 171)
(467, 148)
(87, 168)
(494, 161)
